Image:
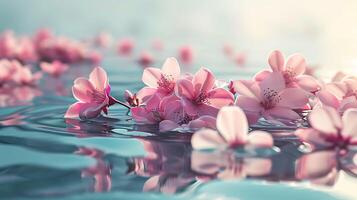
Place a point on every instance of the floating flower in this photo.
(24, 76)
(164, 79)
(168, 112)
(269, 98)
(56, 68)
(292, 71)
(329, 129)
(232, 132)
(93, 96)
(200, 96)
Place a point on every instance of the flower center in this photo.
(271, 98)
(202, 98)
(98, 97)
(166, 83)
(289, 76)
(339, 140)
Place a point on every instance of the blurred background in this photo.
(324, 31)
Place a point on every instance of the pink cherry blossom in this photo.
(186, 54)
(7, 71)
(292, 71)
(168, 112)
(340, 95)
(269, 98)
(200, 96)
(329, 129)
(164, 79)
(125, 46)
(232, 132)
(93, 96)
(56, 68)
(24, 76)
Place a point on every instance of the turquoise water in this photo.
(44, 156)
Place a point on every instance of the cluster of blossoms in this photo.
(45, 46)
(222, 113)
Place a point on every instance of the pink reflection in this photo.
(19, 95)
(100, 172)
(225, 165)
(323, 167)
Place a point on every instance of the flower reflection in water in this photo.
(100, 172)
(323, 167)
(16, 96)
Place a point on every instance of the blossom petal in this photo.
(73, 110)
(293, 98)
(282, 113)
(273, 83)
(220, 97)
(168, 125)
(171, 67)
(207, 139)
(203, 81)
(145, 94)
(205, 121)
(349, 122)
(82, 90)
(205, 109)
(151, 76)
(328, 99)
(296, 64)
(261, 75)
(260, 139)
(184, 88)
(141, 115)
(98, 77)
(325, 120)
(248, 104)
(91, 110)
(308, 83)
(276, 61)
(232, 124)
(246, 88)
